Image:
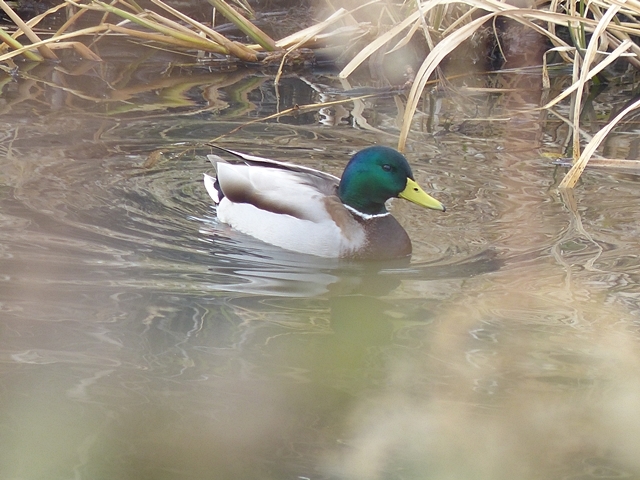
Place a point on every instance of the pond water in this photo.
(142, 339)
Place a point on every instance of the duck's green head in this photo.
(376, 174)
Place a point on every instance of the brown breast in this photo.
(385, 239)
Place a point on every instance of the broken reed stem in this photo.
(43, 49)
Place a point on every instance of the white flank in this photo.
(322, 238)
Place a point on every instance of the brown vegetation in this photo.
(588, 36)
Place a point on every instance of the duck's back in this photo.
(288, 208)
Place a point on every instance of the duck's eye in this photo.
(386, 167)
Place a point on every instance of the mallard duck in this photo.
(301, 209)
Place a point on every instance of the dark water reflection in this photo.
(140, 338)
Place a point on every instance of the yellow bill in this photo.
(415, 194)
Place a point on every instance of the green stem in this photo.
(248, 28)
(15, 44)
(193, 39)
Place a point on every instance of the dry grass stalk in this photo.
(584, 64)
(378, 43)
(234, 48)
(440, 51)
(189, 34)
(610, 25)
(44, 50)
(304, 36)
(80, 48)
(599, 67)
(16, 45)
(47, 45)
(38, 18)
(572, 177)
(295, 110)
(184, 35)
(610, 38)
(175, 41)
(309, 33)
(52, 40)
(244, 25)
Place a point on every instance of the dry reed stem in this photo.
(38, 18)
(43, 49)
(585, 64)
(244, 25)
(610, 58)
(184, 35)
(52, 40)
(292, 111)
(571, 178)
(605, 32)
(236, 49)
(17, 46)
(445, 24)
(376, 44)
(80, 48)
(309, 34)
(71, 21)
(168, 40)
(440, 51)
(301, 37)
